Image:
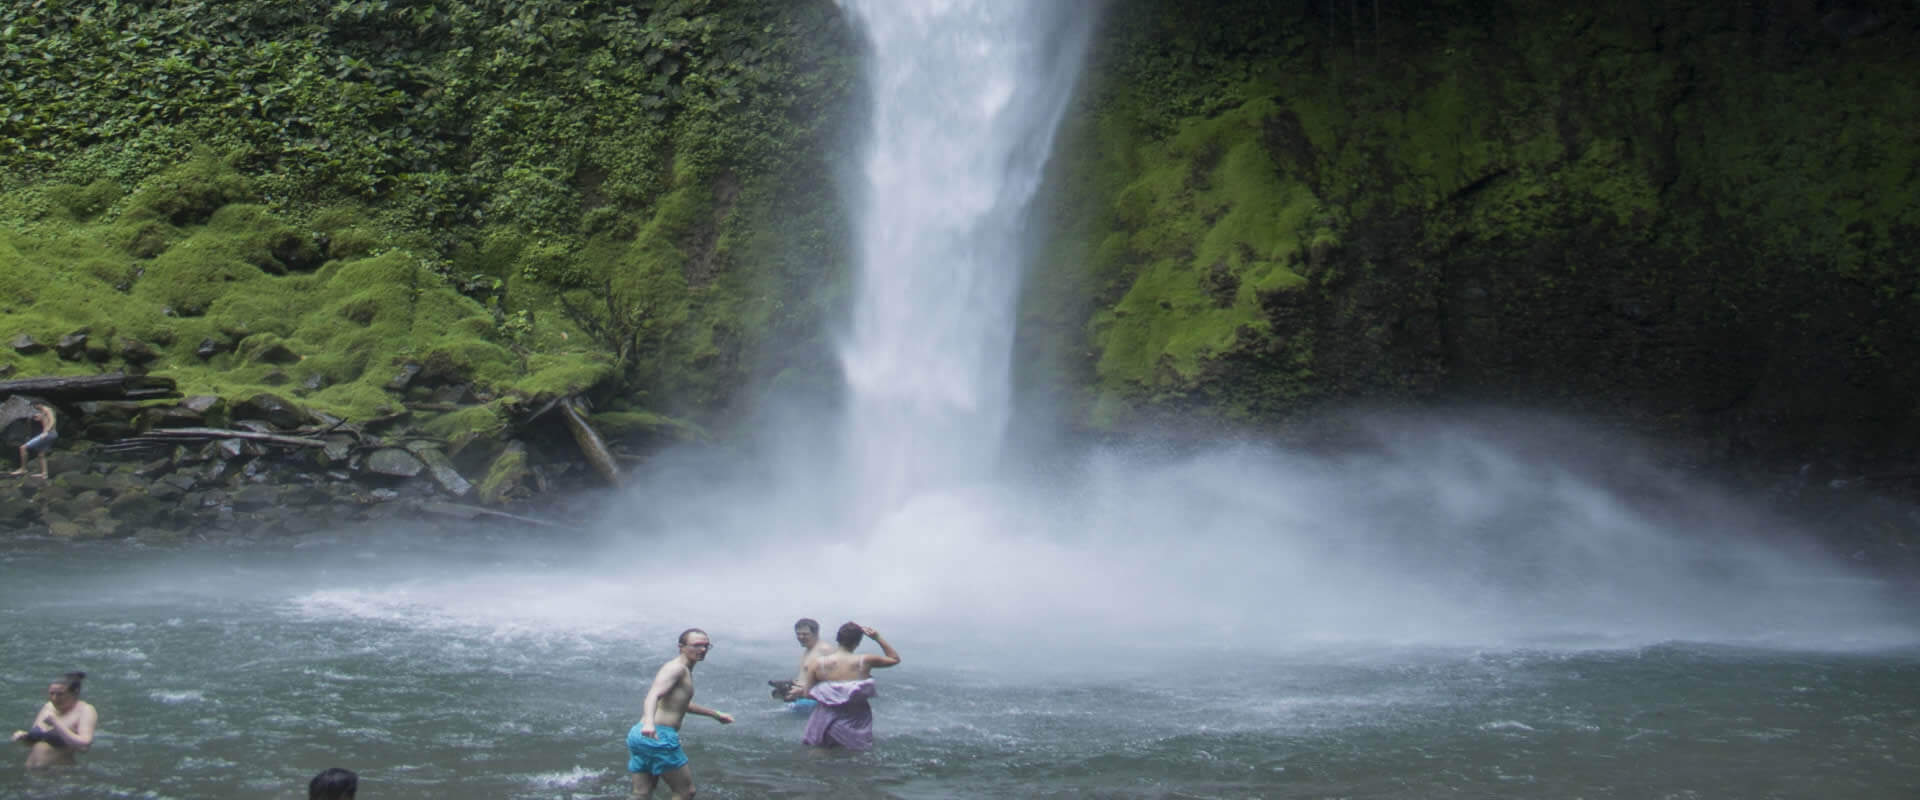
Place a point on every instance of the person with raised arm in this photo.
(842, 683)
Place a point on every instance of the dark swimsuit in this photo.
(39, 734)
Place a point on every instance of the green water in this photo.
(430, 666)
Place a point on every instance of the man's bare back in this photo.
(845, 665)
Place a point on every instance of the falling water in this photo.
(1459, 609)
(965, 98)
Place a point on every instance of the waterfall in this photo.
(965, 96)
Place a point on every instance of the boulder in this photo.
(26, 345)
(401, 379)
(71, 346)
(440, 468)
(274, 409)
(275, 353)
(393, 462)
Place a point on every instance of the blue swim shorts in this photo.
(42, 443)
(657, 756)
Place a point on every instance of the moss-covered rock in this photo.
(1686, 213)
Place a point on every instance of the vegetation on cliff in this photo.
(530, 198)
(1701, 213)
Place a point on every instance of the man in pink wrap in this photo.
(842, 682)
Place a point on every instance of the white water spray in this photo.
(965, 98)
(1437, 533)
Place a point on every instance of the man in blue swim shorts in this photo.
(39, 445)
(653, 745)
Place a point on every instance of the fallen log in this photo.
(75, 388)
(469, 512)
(591, 444)
(167, 436)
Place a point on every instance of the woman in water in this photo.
(63, 727)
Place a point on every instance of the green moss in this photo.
(189, 193)
(504, 476)
(1225, 224)
(623, 424)
(466, 423)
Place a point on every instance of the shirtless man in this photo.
(654, 743)
(807, 633)
(842, 682)
(41, 443)
(62, 727)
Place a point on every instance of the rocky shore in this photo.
(209, 466)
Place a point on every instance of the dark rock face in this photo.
(1657, 232)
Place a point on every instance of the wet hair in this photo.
(849, 636)
(809, 624)
(689, 632)
(72, 681)
(333, 783)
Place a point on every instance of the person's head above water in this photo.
(66, 691)
(333, 783)
(694, 644)
(806, 632)
(849, 635)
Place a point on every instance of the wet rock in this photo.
(140, 508)
(384, 495)
(314, 382)
(217, 499)
(26, 345)
(274, 409)
(400, 381)
(509, 477)
(107, 431)
(169, 489)
(460, 394)
(441, 469)
(210, 407)
(71, 346)
(82, 481)
(6, 371)
(338, 448)
(16, 419)
(209, 348)
(108, 410)
(169, 417)
(275, 377)
(256, 497)
(97, 352)
(393, 462)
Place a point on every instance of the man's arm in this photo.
(870, 660)
(805, 679)
(663, 681)
(696, 708)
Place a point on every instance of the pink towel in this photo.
(843, 718)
